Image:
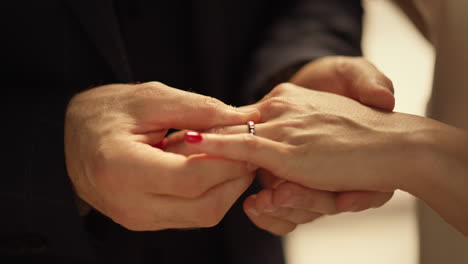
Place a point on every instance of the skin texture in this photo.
(329, 142)
(270, 209)
(110, 132)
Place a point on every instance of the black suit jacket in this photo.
(54, 49)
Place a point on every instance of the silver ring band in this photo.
(251, 127)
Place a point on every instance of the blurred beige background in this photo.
(388, 234)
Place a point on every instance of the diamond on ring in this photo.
(251, 127)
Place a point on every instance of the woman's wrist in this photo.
(443, 183)
(438, 171)
(428, 150)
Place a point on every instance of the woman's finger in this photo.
(262, 152)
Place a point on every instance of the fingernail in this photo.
(289, 199)
(160, 145)
(288, 203)
(193, 137)
(353, 207)
(270, 209)
(253, 211)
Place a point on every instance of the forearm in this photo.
(442, 182)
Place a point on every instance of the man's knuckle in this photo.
(210, 107)
(149, 89)
(344, 65)
(211, 102)
(386, 82)
(100, 166)
(154, 85)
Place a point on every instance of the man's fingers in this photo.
(295, 216)
(352, 77)
(291, 195)
(195, 111)
(202, 112)
(172, 108)
(272, 224)
(157, 212)
(268, 179)
(366, 83)
(167, 173)
(208, 209)
(265, 205)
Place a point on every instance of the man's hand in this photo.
(110, 135)
(352, 77)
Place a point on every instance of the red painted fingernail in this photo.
(160, 145)
(193, 137)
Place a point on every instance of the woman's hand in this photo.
(333, 135)
(283, 205)
(331, 143)
(353, 77)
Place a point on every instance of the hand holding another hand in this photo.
(284, 204)
(109, 137)
(341, 146)
(317, 144)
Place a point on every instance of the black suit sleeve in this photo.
(39, 217)
(306, 30)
